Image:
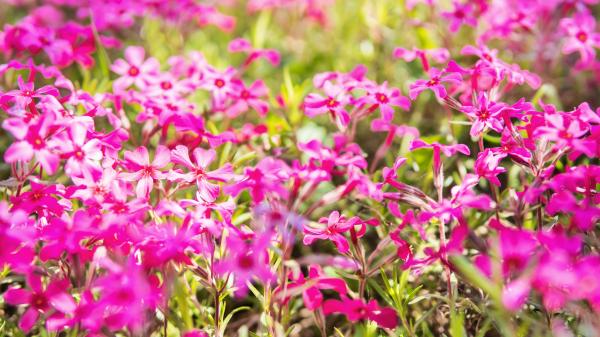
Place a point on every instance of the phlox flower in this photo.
(311, 287)
(485, 114)
(249, 97)
(487, 166)
(144, 172)
(32, 140)
(198, 170)
(582, 37)
(247, 260)
(52, 299)
(334, 103)
(386, 99)
(331, 228)
(135, 69)
(356, 310)
(437, 77)
(462, 14)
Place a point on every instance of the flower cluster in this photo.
(190, 195)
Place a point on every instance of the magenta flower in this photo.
(311, 287)
(439, 55)
(515, 294)
(333, 103)
(565, 131)
(331, 228)
(81, 154)
(437, 77)
(385, 99)
(198, 170)
(26, 93)
(249, 97)
(127, 294)
(582, 37)
(243, 45)
(221, 85)
(487, 166)
(263, 180)
(134, 69)
(145, 173)
(247, 260)
(356, 310)
(485, 114)
(438, 149)
(32, 140)
(462, 14)
(41, 300)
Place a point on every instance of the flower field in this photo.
(299, 168)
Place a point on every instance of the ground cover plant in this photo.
(299, 168)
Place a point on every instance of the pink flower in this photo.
(485, 114)
(249, 97)
(385, 99)
(437, 77)
(26, 93)
(81, 154)
(356, 310)
(127, 294)
(333, 229)
(333, 103)
(515, 294)
(243, 45)
(32, 140)
(440, 55)
(582, 37)
(221, 85)
(438, 149)
(198, 170)
(463, 14)
(247, 260)
(145, 173)
(41, 299)
(134, 69)
(487, 166)
(311, 287)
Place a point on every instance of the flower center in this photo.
(39, 302)
(148, 170)
(245, 261)
(37, 142)
(484, 114)
(79, 154)
(433, 81)
(565, 134)
(582, 36)
(331, 103)
(219, 83)
(133, 71)
(382, 98)
(166, 85)
(245, 94)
